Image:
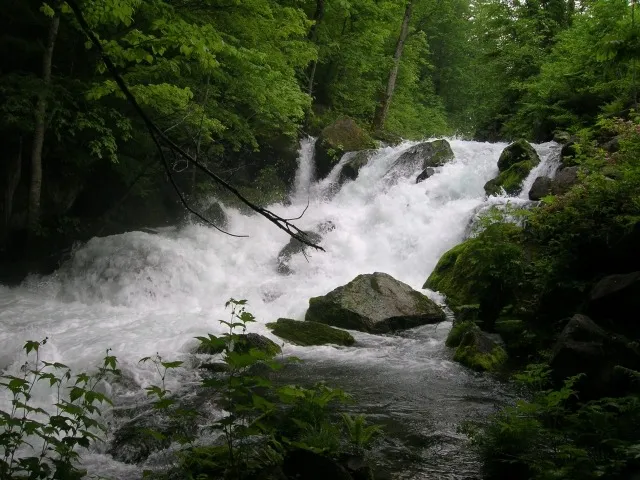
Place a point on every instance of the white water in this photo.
(141, 293)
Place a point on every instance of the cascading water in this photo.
(141, 293)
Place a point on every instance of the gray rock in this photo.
(352, 167)
(430, 154)
(426, 173)
(540, 188)
(376, 303)
(564, 180)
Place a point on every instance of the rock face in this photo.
(514, 164)
(564, 180)
(351, 168)
(540, 188)
(344, 135)
(310, 333)
(476, 349)
(376, 303)
(245, 343)
(616, 300)
(585, 348)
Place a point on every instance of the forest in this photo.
(127, 115)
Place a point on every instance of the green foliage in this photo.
(37, 443)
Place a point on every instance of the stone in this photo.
(309, 333)
(584, 347)
(375, 303)
(560, 136)
(541, 188)
(344, 135)
(564, 180)
(616, 300)
(479, 351)
(244, 343)
(292, 248)
(519, 151)
(426, 173)
(510, 179)
(435, 153)
(353, 166)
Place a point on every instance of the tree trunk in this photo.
(35, 186)
(13, 172)
(313, 36)
(383, 108)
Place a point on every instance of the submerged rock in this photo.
(309, 333)
(476, 349)
(540, 188)
(426, 173)
(514, 165)
(292, 248)
(376, 303)
(344, 135)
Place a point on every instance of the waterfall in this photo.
(141, 293)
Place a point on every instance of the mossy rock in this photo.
(344, 135)
(466, 274)
(510, 179)
(517, 338)
(457, 332)
(466, 313)
(518, 152)
(244, 343)
(374, 303)
(480, 352)
(310, 333)
(351, 168)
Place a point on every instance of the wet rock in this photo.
(541, 188)
(375, 303)
(310, 333)
(583, 347)
(564, 180)
(344, 135)
(560, 136)
(351, 168)
(479, 350)
(428, 154)
(243, 344)
(426, 173)
(294, 247)
(514, 165)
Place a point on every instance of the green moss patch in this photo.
(478, 352)
(457, 332)
(510, 179)
(309, 333)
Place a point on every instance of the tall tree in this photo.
(35, 188)
(383, 108)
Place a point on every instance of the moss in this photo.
(457, 332)
(309, 333)
(470, 356)
(467, 313)
(510, 179)
(518, 152)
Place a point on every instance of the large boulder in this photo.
(353, 166)
(615, 299)
(344, 135)
(376, 303)
(583, 347)
(541, 188)
(514, 165)
(564, 180)
(310, 333)
(476, 349)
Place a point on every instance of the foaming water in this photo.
(140, 293)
